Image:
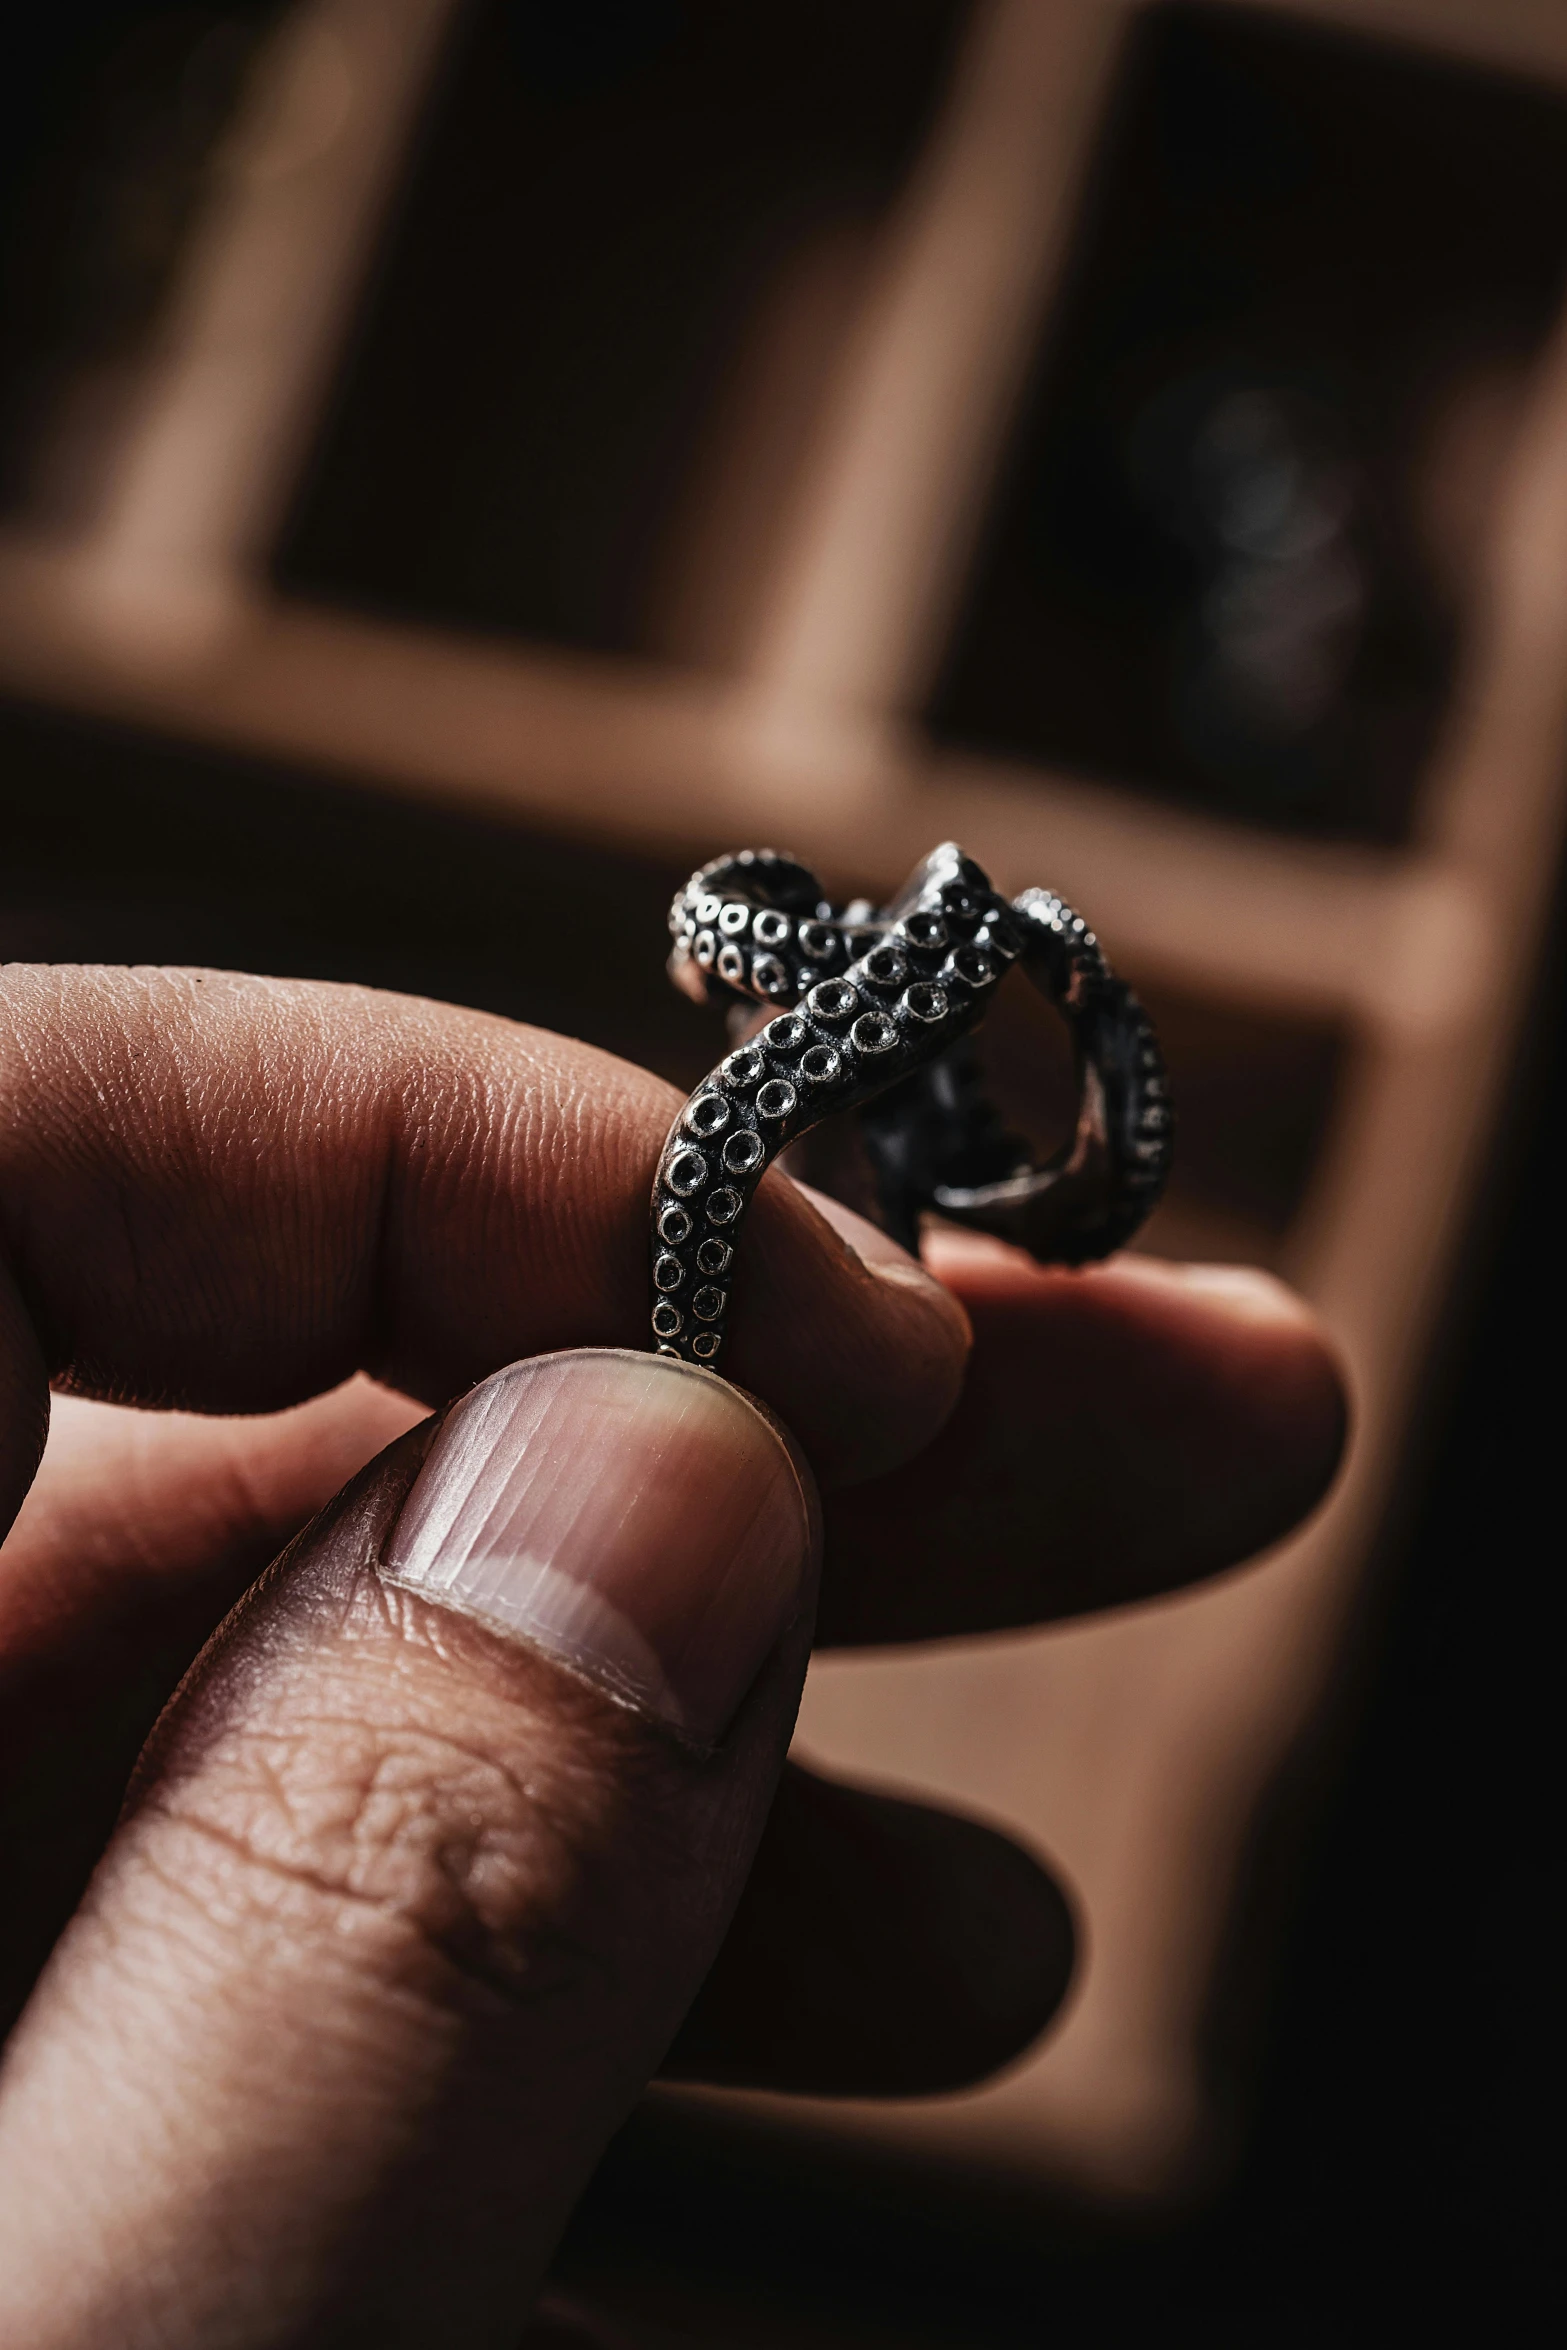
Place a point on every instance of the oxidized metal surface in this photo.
(873, 1009)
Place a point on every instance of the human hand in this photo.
(404, 1907)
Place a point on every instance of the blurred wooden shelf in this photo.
(672, 762)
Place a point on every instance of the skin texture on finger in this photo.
(400, 1919)
(1122, 1431)
(230, 1194)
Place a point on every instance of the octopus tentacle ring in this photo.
(874, 1010)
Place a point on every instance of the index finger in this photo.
(231, 1193)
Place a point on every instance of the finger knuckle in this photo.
(419, 1852)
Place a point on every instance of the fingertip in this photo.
(882, 1948)
(1192, 1415)
(1011, 1945)
(555, 1507)
(1283, 1367)
(1271, 1338)
(1299, 1394)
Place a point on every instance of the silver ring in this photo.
(873, 1011)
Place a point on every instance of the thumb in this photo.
(417, 1880)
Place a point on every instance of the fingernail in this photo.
(636, 1519)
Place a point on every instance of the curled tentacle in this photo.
(869, 1001)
